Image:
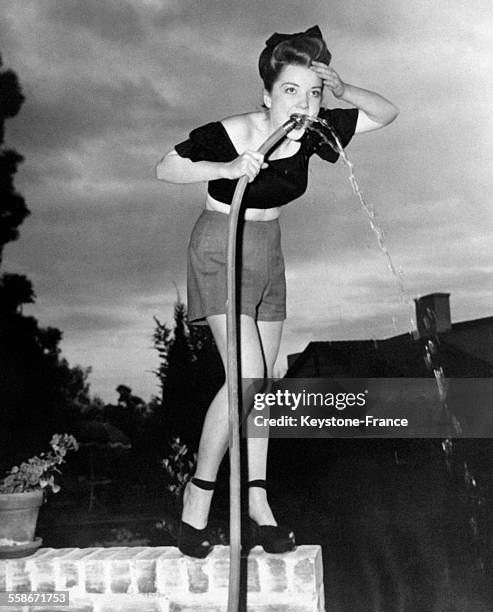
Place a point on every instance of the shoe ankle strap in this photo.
(258, 483)
(207, 485)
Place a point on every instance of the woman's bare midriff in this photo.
(250, 214)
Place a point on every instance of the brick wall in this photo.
(161, 579)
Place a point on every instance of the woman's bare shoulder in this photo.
(243, 128)
(240, 123)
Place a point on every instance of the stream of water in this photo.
(370, 213)
(431, 346)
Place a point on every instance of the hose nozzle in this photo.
(296, 121)
(301, 121)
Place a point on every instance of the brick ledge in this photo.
(161, 579)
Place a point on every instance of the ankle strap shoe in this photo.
(207, 485)
(191, 541)
(273, 538)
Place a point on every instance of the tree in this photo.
(190, 373)
(129, 414)
(13, 209)
(15, 290)
(39, 391)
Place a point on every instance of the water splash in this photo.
(470, 495)
(431, 349)
(431, 358)
(433, 364)
(370, 213)
(448, 449)
(475, 501)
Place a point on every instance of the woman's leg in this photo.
(259, 509)
(214, 437)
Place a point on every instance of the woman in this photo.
(295, 72)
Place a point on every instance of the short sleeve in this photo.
(343, 121)
(209, 142)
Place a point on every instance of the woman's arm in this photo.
(375, 111)
(176, 169)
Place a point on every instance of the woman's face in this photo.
(297, 90)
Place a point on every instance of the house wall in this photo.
(477, 341)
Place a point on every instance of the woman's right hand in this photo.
(248, 163)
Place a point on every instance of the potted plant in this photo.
(22, 492)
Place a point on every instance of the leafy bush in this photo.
(179, 465)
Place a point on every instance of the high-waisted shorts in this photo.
(261, 280)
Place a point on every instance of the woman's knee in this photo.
(253, 369)
(252, 357)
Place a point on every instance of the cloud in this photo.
(92, 321)
(80, 111)
(114, 20)
(107, 250)
(111, 87)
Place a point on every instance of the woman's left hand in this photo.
(330, 78)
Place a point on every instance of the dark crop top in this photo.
(284, 179)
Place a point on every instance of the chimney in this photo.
(433, 314)
(292, 359)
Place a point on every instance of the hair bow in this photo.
(276, 38)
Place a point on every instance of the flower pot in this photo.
(19, 515)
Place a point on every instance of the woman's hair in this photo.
(301, 49)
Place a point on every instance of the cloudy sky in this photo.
(112, 85)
